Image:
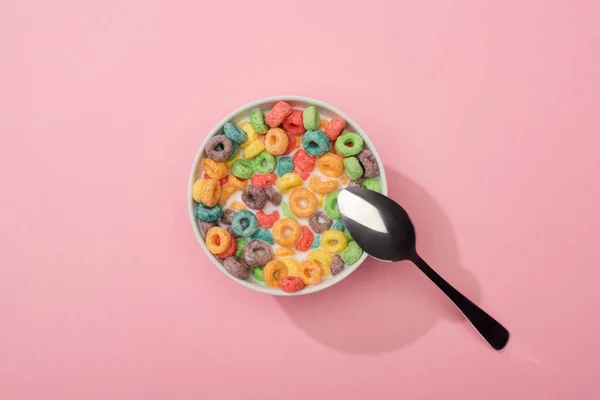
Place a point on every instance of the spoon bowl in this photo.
(383, 229)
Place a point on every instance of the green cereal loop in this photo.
(351, 253)
(372, 184)
(310, 118)
(342, 142)
(241, 243)
(264, 162)
(349, 237)
(331, 206)
(285, 209)
(257, 119)
(257, 273)
(243, 169)
(353, 168)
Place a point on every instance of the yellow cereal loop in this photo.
(253, 149)
(237, 205)
(333, 241)
(283, 252)
(320, 198)
(288, 181)
(229, 163)
(250, 133)
(226, 192)
(292, 265)
(197, 190)
(323, 257)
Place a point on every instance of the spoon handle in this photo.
(490, 329)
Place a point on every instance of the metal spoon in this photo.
(383, 229)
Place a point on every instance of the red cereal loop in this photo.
(304, 164)
(335, 128)
(278, 114)
(303, 174)
(263, 180)
(306, 239)
(267, 220)
(291, 144)
(293, 123)
(231, 250)
(291, 284)
(304, 161)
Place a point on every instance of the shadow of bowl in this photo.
(386, 306)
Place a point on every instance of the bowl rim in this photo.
(257, 104)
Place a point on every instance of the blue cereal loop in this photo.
(338, 226)
(315, 143)
(264, 235)
(316, 242)
(244, 223)
(208, 214)
(286, 165)
(234, 133)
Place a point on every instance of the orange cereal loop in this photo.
(226, 192)
(236, 182)
(286, 232)
(298, 142)
(303, 203)
(214, 169)
(210, 193)
(323, 125)
(310, 272)
(344, 180)
(317, 185)
(330, 165)
(274, 272)
(218, 240)
(238, 205)
(276, 141)
(283, 252)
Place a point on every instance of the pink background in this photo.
(486, 114)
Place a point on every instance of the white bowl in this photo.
(242, 114)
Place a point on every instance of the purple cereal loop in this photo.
(251, 253)
(236, 267)
(227, 216)
(219, 155)
(316, 225)
(273, 195)
(337, 265)
(205, 226)
(254, 197)
(357, 183)
(369, 163)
